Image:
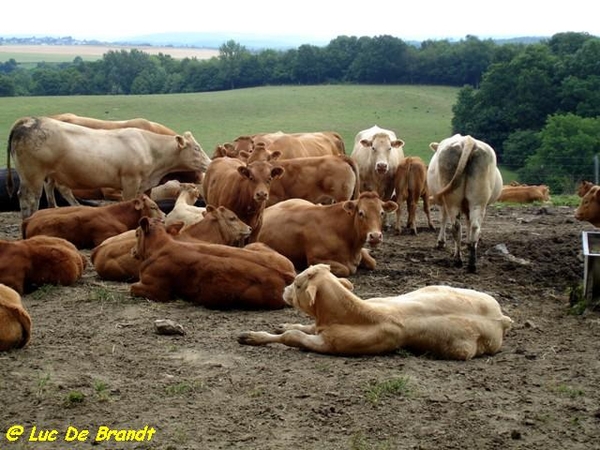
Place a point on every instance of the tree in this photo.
(231, 54)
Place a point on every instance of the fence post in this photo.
(596, 168)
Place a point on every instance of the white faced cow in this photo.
(463, 177)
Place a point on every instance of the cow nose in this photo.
(261, 196)
(374, 238)
(381, 167)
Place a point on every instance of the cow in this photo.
(446, 322)
(185, 209)
(15, 322)
(377, 152)
(525, 193)
(463, 177)
(100, 124)
(29, 263)
(589, 207)
(113, 259)
(332, 234)
(87, 226)
(584, 187)
(243, 188)
(129, 159)
(410, 184)
(211, 275)
(296, 145)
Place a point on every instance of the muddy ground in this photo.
(95, 361)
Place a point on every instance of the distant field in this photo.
(418, 114)
(27, 54)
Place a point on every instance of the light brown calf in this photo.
(449, 323)
(524, 193)
(15, 322)
(411, 184)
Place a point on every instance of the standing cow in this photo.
(463, 177)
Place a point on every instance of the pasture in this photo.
(95, 361)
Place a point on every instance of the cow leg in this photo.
(457, 235)
(411, 205)
(398, 215)
(308, 329)
(427, 210)
(291, 338)
(49, 185)
(474, 221)
(29, 199)
(152, 292)
(366, 260)
(441, 241)
(67, 194)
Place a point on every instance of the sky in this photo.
(320, 20)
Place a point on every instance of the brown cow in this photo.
(243, 188)
(87, 226)
(410, 184)
(448, 322)
(113, 259)
(77, 157)
(298, 145)
(589, 207)
(100, 124)
(524, 193)
(15, 322)
(29, 263)
(212, 275)
(584, 187)
(332, 234)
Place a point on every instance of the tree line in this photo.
(536, 103)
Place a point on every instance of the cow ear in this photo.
(209, 208)
(366, 143)
(346, 283)
(180, 141)
(145, 224)
(350, 206)
(274, 156)
(244, 171)
(138, 204)
(311, 291)
(398, 143)
(434, 146)
(277, 172)
(243, 154)
(390, 206)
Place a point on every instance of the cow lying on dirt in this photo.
(39, 260)
(15, 323)
(212, 275)
(447, 322)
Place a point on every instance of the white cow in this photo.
(377, 152)
(77, 157)
(463, 177)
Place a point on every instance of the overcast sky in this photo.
(318, 19)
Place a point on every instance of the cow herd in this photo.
(271, 220)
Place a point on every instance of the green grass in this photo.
(418, 114)
(394, 387)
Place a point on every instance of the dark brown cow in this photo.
(330, 234)
(411, 184)
(212, 275)
(243, 188)
(29, 263)
(87, 226)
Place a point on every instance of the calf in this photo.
(589, 207)
(523, 193)
(185, 210)
(32, 262)
(87, 226)
(450, 323)
(15, 322)
(243, 188)
(410, 184)
(212, 275)
(113, 259)
(333, 234)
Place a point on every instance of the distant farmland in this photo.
(27, 54)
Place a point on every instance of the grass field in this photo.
(418, 114)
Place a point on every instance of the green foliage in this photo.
(74, 397)
(394, 387)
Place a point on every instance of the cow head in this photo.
(148, 229)
(380, 147)
(228, 223)
(369, 212)
(191, 153)
(147, 207)
(260, 174)
(589, 208)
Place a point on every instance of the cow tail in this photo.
(460, 168)
(354, 166)
(10, 184)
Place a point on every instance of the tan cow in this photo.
(589, 207)
(332, 234)
(299, 145)
(463, 177)
(29, 263)
(113, 259)
(100, 124)
(212, 275)
(15, 322)
(377, 152)
(77, 157)
(449, 323)
(410, 185)
(584, 187)
(88, 226)
(243, 188)
(524, 193)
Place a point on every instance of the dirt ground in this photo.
(95, 361)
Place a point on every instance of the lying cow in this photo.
(30, 263)
(463, 177)
(212, 275)
(86, 226)
(333, 234)
(15, 322)
(584, 187)
(589, 207)
(524, 193)
(450, 323)
(410, 185)
(113, 259)
(77, 157)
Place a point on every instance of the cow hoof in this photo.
(441, 245)
(458, 263)
(246, 338)
(472, 268)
